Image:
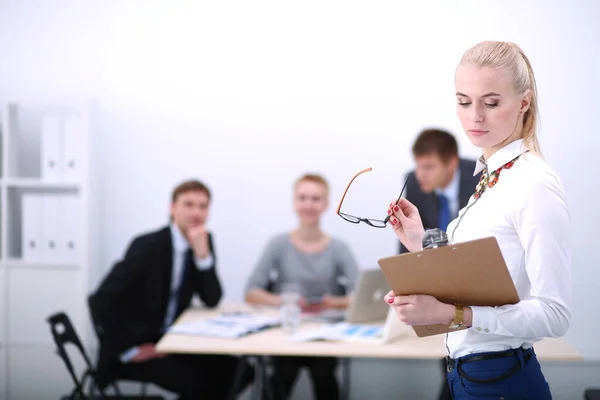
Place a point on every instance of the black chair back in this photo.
(64, 333)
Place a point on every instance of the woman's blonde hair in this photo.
(510, 56)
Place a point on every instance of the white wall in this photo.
(248, 95)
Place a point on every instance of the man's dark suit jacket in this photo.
(427, 203)
(129, 307)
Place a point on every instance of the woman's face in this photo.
(488, 106)
(310, 201)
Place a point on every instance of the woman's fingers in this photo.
(389, 297)
(396, 215)
(408, 209)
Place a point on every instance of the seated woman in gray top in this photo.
(314, 262)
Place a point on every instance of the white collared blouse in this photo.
(527, 212)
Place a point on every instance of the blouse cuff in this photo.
(484, 319)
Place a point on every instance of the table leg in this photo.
(268, 378)
(259, 378)
(345, 392)
(238, 377)
(262, 378)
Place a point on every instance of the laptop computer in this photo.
(367, 303)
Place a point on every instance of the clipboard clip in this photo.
(434, 238)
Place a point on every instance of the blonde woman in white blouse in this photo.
(521, 202)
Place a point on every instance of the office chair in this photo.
(64, 333)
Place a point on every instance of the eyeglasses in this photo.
(375, 223)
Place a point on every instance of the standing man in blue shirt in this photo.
(148, 289)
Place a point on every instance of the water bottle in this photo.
(434, 238)
(290, 311)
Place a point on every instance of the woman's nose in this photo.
(476, 114)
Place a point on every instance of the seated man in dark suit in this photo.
(148, 289)
(440, 186)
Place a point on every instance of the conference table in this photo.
(259, 346)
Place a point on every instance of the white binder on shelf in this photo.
(31, 227)
(51, 147)
(51, 226)
(70, 216)
(72, 145)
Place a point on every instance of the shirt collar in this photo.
(180, 243)
(451, 191)
(500, 157)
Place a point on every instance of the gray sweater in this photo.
(314, 274)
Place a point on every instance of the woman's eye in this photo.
(464, 104)
(491, 105)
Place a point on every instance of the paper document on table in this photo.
(327, 316)
(340, 331)
(233, 325)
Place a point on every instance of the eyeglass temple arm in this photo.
(337, 211)
(398, 200)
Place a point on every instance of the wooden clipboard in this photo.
(471, 273)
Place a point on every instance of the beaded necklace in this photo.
(490, 180)
(486, 181)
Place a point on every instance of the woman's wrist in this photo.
(416, 242)
(415, 247)
(468, 313)
(448, 311)
(274, 300)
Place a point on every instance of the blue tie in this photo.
(188, 266)
(175, 298)
(443, 212)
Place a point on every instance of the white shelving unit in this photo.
(44, 244)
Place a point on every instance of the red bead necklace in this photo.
(490, 180)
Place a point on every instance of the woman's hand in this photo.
(336, 302)
(407, 224)
(420, 309)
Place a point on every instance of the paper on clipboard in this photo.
(471, 273)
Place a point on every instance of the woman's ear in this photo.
(525, 101)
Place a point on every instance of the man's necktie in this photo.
(188, 265)
(176, 297)
(443, 212)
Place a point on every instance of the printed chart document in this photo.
(226, 325)
(340, 331)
